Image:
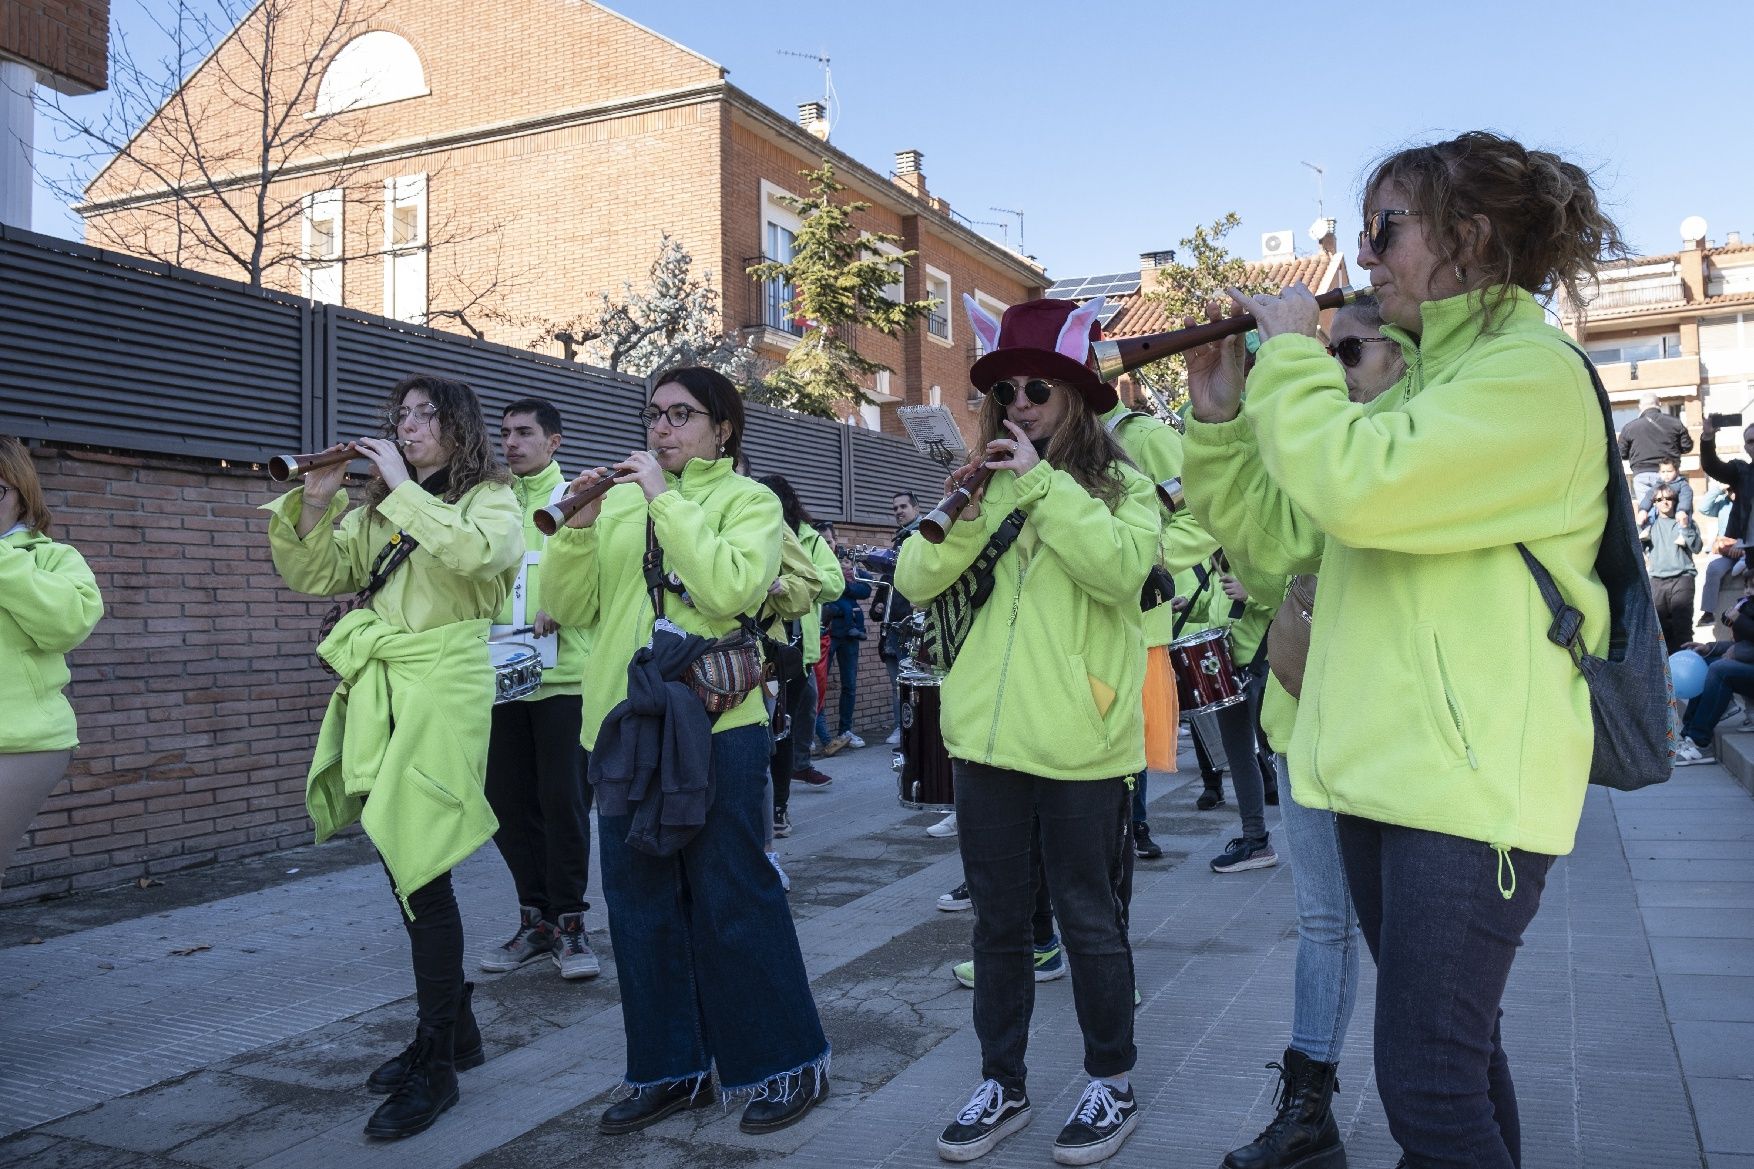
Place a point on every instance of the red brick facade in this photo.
(67, 40)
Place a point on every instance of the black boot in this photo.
(391, 1072)
(1303, 1135)
(650, 1105)
(770, 1115)
(1213, 794)
(427, 1090)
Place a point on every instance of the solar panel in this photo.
(1083, 288)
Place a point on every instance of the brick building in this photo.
(534, 161)
(63, 44)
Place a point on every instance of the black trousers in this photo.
(795, 700)
(1674, 598)
(537, 788)
(435, 942)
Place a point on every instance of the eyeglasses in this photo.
(421, 415)
(1376, 231)
(1350, 350)
(1038, 391)
(677, 416)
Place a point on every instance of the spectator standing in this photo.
(1668, 473)
(844, 623)
(1673, 541)
(1650, 437)
(1738, 476)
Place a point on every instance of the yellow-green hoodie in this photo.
(720, 534)
(833, 584)
(1432, 697)
(49, 604)
(1048, 681)
(573, 642)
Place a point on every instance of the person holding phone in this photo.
(1738, 476)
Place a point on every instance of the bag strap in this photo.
(658, 583)
(1182, 618)
(1566, 630)
(1003, 537)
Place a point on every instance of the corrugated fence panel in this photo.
(97, 349)
(806, 451)
(883, 465)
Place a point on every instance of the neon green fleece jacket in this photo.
(833, 585)
(573, 643)
(1048, 681)
(49, 604)
(1156, 449)
(1432, 698)
(720, 534)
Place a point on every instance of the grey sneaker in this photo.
(571, 952)
(534, 938)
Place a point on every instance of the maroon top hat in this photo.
(1041, 338)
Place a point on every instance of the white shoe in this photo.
(894, 739)
(1690, 753)
(854, 741)
(773, 858)
(943, 828)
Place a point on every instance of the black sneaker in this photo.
(991, 1115)
(1242, 854)
(782, 823)
(956, 900)
(1144, 847)
(1103, 1120)
(1209, 799)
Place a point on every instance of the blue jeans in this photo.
(843, 655)
(1722, 678)
(1326, 984)
(1435, 915)
(706, 956)
(1084, 849)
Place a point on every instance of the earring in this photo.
(1461, 273)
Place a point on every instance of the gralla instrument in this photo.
(1117, 356)
(935, 523)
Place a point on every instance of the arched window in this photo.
(371, 69)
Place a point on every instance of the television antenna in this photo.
(1321, 211)
(1019, 215)
(830, 99)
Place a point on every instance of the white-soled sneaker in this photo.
(894, 739)
(1100, 1124)
(944, 828)
(991, 1115)
(1689, 753)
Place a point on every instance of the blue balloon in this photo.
(1687, 671)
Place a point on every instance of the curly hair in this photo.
(1548, 229)
(1082, 446)
(461, 426)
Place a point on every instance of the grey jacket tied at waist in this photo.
(654, 756)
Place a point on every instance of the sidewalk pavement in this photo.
(237, 1030)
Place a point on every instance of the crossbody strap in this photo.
(1002, 538)
(1181, 619)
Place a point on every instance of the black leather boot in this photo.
(650, 1105)
(391, 1072)
(429, 1087)
(1303, 1135)
(769, 1115)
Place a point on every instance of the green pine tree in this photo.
(838, 279)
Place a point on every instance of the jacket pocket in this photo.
(432, 788)
(1086, 685)
(1447, 716)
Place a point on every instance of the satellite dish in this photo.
(1693, 228)
(1321, 229)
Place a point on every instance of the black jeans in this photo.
(537, 788)
(1435, 916)
(435, 941)
(1085, 837)
(795, 699)
(1674, 599)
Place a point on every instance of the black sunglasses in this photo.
(1039, 391)
(1376, 230)
(1350, 351)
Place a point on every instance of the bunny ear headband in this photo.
(1041, 338)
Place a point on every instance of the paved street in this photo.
(229, 1017)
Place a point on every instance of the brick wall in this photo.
(198, 696)
(67, 38)
(873, 708)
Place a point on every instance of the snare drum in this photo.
(1205, 676)
(926, 784)
(517, 670)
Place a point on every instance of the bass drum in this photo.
(926, 783)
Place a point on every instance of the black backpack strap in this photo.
(1003, 537)
(1181, 619)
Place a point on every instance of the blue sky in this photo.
(1117, 125)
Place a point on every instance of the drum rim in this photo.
(1197, 638)
(1221, 704)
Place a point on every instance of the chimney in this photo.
(813, 117)
(908, 175)
(1150, 260)
(1323, 233)
(1733, 239)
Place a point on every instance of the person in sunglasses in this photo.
(1041, 711)
(712, 979)
(1452, 802)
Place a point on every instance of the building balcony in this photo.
(1612, 299)
(938, 325)
(1637, 377)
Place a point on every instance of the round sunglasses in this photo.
(1376, 230)
(1350, 351)
(1037, 390)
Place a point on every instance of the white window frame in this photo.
(321, 277)
(406, 256)
(774, 213)
(949, 308)
(899, 287)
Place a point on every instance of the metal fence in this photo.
(110, 350)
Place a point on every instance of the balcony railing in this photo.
(1611, 298)
(938, 324)
(771, 298)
